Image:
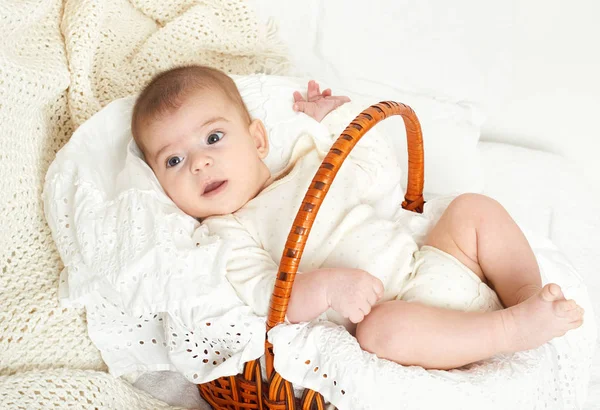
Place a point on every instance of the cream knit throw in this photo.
(59, 64)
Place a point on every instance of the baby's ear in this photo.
(259, 135)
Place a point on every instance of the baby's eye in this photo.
(214, 137)
(171, 162)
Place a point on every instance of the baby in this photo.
(471, 291)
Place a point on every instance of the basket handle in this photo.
(320, 185)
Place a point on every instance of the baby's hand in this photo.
(352, 292)
(317, 104)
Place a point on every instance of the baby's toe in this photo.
(564, 308)
(576, 323)
(574, 315)
(568, 309)
(552, 292)
(566, 305)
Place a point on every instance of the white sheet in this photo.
(544, 193)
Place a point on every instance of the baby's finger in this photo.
(372, 298)
(305, 107)
(311, 90)
(357, 316)
(327, 92)
(299, 106)
(365, 307)
(341, 98)
(335, 102)
(378, 287)
(298, 96)
(314, 91)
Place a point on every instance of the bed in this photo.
(64, 61)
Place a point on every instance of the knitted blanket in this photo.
(59, 64)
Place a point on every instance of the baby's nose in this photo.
(201, 161)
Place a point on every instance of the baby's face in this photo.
(206, 156)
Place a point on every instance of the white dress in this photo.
(359, 225)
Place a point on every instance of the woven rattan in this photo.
(248, 390)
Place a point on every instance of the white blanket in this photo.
(97, 51)
(148, 310)
(326, 358)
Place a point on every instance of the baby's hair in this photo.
(167, 91)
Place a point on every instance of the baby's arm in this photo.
(317, 105)
(250, 269)
(252, 273)
(350, 292)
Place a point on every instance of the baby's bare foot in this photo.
(540, 318)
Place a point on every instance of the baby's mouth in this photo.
(213, 187)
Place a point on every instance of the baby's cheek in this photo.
(174, 190)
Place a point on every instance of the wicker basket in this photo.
(248, 390)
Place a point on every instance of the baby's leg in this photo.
(437, 338)
(479, 232)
